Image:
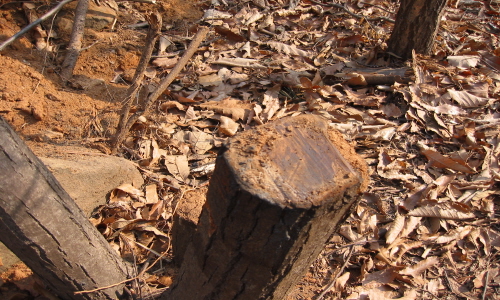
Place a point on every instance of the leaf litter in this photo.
(427, 228)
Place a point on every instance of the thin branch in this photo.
(486, 282)
(90, 46)
(330, 286)
(155, 21)
(193, 47)
(356, 244)
(379, 7)
(106, 287)
(353, 14)
(145, 247)
(75, 42)
(30, 26)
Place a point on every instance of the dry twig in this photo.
(486, 282)
(106, 287)
(329, 287)
(353, 14)
(75, 42)
(122, 131)
(154, 31)
(30, 26)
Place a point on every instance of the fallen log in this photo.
(42, 225)
(277, 195)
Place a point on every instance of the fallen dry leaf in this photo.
(125, 192)
(178, 166)
(440, 211)
(441, 161)
(228, 126)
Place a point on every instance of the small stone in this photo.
(38, 110)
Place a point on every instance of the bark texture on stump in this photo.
(416, 26)
(43, 226)
(277, 194)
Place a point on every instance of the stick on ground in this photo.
(155, 21)
(195, 43)
(332, 283)
(75, 42)
(30, 26)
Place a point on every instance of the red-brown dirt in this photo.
(46, 112)
(41, 109)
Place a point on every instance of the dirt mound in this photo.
(32, 98)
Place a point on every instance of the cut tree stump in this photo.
(277, 195)
(42, 225)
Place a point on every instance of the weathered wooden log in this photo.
(277, 194)
(44, 227)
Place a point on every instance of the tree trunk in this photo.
(75, 43)
(417, 23)
(44, 227)
(277, 194)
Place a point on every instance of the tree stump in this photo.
(42, 225)
(277, 194)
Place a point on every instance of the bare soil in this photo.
(41, 109)
(52, 117)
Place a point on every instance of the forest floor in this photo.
(428, 225)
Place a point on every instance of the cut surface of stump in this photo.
(277, 194)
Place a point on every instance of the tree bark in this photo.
(75, 42)
(44, 227)
(277, 194)
(417, 23)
